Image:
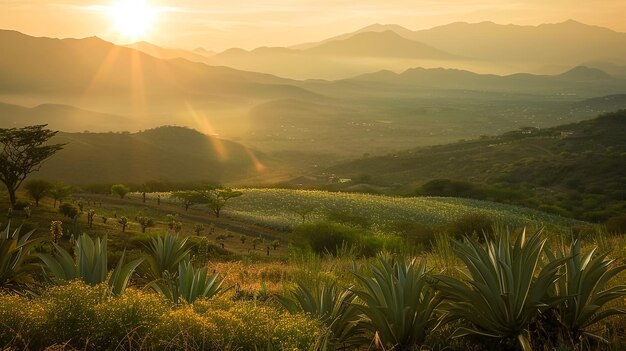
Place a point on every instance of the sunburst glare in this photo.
(133, 18)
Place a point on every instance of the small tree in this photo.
(189, 198)
(90, 215)
(198, 229)
(38, 189)
(59, 192)
(217, 198)
(145, 222)
(123, 221)
(178, 226)
(120, 190)
(255, 242)
(242, 238)
(23, 152)
(275, 244)
(105, 219)
(171, 219)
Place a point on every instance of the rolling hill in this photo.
(63, 117)
(574, 169)
(164, 153)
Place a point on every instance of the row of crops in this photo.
(284, 208)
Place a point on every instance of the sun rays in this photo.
(133, 19)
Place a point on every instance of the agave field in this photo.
(519, 292)
(282, 208)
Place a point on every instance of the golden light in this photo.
(133, 18)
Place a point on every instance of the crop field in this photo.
(282, 209)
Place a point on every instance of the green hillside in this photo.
(165, 153)
(575, 170)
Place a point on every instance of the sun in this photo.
(133, 18)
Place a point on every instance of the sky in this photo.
(221, 24)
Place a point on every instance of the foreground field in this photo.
(170, 288)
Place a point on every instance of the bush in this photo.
(325, 237)
(617, 224)
(127, 318)
(20, 205)
(85, 317)
(346, 217)
(247, 325)
(68, 210)
(472, 224)
(69, 315)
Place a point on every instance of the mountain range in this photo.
(90, 84)
(484, 47)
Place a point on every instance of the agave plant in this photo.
(90, 265)
(165, 253)
(190, 285)
(505, 289)
(16, 267)
(398, 305)
(328, 303)
(584, 289)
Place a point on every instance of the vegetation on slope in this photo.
(573, 170)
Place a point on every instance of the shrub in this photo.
(20, 205)
(247, 325)
(127, 318)
(478, 224)
(348, 218)
(184, 329)
(69, 314)
(68, 210)
(18, 320)
(617, 224)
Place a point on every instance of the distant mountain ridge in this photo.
(380, 44)
(577, 79)
(62, 117)
(544, 49)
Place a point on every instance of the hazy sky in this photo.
(220, 24)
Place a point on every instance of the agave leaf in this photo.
(122, 273)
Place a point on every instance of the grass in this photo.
(278, 209)
(255, 277)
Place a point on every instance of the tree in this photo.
(59, 192)
(38, 189)
(120, 189)
(217, 198)
(198, 229)
(145, 222)
(123, 221)
(90, 215)
(23, 152)
(189, 198)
